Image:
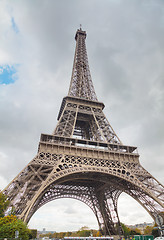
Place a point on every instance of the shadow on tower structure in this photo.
(84, 159)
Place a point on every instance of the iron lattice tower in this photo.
(84, 159)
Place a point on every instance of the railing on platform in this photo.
(88, 143)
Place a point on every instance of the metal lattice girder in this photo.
(85, 119)
(84, 159)
(81, 83)
(55, 164)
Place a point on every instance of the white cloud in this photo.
(64, 215)
(131, 212)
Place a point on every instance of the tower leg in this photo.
(108, 208)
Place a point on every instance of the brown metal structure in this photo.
(84, 159)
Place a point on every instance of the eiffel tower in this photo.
(84, 159)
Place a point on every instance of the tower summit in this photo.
(81, 85)
(84, 159)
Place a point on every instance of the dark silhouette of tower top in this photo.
(80, 32)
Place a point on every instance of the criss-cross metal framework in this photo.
(84, 159)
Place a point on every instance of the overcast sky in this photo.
(125, 45)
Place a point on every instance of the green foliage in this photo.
(126, 230)
(155, 232)
(4, 203)
(148, 230)
(33, 234)
(135, 232)
(61, 235)
(130, 232)
(83, 232)
(10, 224)
(68, 234)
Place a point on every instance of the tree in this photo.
(33, 234)
(125, 229)
(61, 235)
(68, 234)
(84, 232)
(10, 224)
(148, 230)
(98, 234)
(155, 232)
(135, 231)
(4, 203)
